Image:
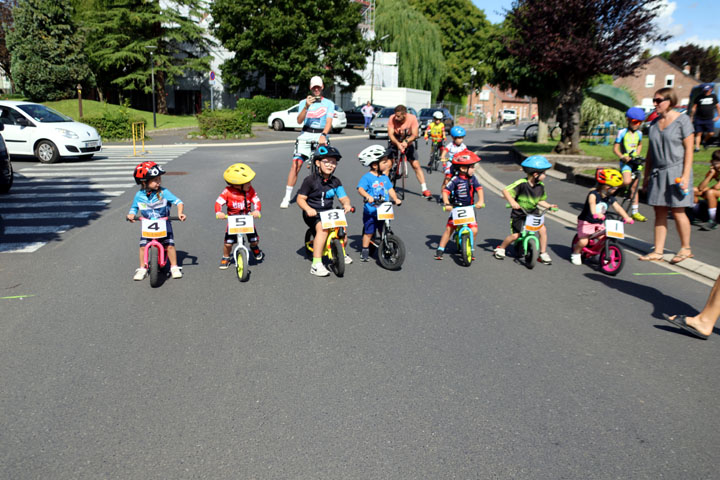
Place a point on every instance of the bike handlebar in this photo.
(541, 212)
(140, 217)
(226, 215)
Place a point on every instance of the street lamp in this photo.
(376, 43)
(152, 49)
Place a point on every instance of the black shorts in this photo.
(311, 221)
(517, 223)
(231, 239)
(410, 151)
(704, 126)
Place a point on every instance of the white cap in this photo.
(316, 82)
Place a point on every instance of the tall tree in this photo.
(119, 32)
(6, 25)
(464, 35)
(704, 60)
(47, 59)
(287, 42)
(416, 40)
(579, 39)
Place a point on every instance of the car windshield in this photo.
(43, 114)
(386, 112)
(427, 112)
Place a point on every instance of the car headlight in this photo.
(67, 133)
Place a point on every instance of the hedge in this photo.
(225, 123)
(264, 106)
(113, 123)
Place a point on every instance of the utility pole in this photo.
(152, 49)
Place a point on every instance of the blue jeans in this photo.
(367, 121)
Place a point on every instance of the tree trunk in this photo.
(546, 109)
(160, 92)
(570, 122)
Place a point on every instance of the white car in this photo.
(287, 119)
(36, 130)
(509, 115)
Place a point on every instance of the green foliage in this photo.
(287, 42)
(226, 123)
(706, 60)
(114, 123)
(593, 113)
(262, 106)
(47, 57)
(416, 40)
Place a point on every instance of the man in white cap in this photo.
(316, 114)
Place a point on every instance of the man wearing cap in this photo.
(316, 114)
(705, 112)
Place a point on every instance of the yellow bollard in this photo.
(138, 132)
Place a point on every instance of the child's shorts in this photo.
(585, 229)
(517, 224)
(371, 223)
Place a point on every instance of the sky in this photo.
(688, 21)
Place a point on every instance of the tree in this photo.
(119, 32)
(287, 42)
(464, 35)
(6, 25)
(47, 60)
(706, 60)
(577, 40)
(416, 40)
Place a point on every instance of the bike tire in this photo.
(391, 253)
(399, 183)
(465, 249)
(309, 237)
(338, 260)
(531, 133)
(241, 265)
(613, 262)
(530, 257)
(153, 267)
(555, 133)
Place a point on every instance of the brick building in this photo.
(493, 100)
(656, 74)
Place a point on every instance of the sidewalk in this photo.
(499, 169)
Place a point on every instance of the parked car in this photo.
(355, 118)
(509, 115)
(426, 116)
(35, 130)
(287, 119)
(378, 127)
(6, 168)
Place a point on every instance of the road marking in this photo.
(68, 203)
(76, 193)
(40, 229)
(32, 186)
(658, 273)
(16, 296)
(46, 215)
(21, 247)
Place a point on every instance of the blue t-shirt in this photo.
(376, 186)
(157, 205)
(317, 113)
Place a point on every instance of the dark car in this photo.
(6, 169)
(426, 116)
(355, 118)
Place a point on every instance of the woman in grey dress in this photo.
(670, 157)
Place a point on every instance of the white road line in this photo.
(78, 174)
(107, 193)
(37, 230)
(72, 168)
(31, 186)
(47, 215)
(29, 181)
(71, 203)
(21, 247)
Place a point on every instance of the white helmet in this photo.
(438, 114)
(372, 154)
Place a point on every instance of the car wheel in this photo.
(46, 152)
(278, 125)
(6, 180)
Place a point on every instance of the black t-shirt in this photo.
(706, 107)
(586, 215)
(320, 192)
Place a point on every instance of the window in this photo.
(669, 80)
(649, 81)
(485, 95)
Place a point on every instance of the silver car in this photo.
(378, 127)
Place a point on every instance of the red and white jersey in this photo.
(238, 202)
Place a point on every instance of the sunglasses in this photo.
(329, 161)
(635, 122)
(659, 100)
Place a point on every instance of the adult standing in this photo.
(488, 120)
(705, 112)
(402, 133)
(368, 112)
(316, 113)
(670, 157)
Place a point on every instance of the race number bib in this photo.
(533, 223)
(385, 211)
(614, 229)
(463, 215)
(333, 218)
(240, 224)
(153, 228)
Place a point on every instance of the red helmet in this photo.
(147, 170)
(466, 157)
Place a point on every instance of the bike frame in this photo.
(337, 232)
(458, 234)
(162, 257)
(598, 242)
(240, 243)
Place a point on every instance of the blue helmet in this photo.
(457, 132)
(536, 163)
(635, 113)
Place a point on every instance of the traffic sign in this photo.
(212, 77)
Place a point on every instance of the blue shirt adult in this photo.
(318, 113)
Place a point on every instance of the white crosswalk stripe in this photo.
(48, 200)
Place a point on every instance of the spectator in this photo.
(703, 323)
(488, 119)
(368, 112)
(704, 115)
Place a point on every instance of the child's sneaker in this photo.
(576, 259)
(285, 203)
(545, 258)
(499, 253)
(364, 257)
(710, 225)
(259, 255)
(224, 263)
(639, 217)
(439, 254)
(140, 274)
(176, 271)
(348, 260)
(319, 270)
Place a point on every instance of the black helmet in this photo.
(326, 151)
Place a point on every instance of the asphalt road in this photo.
(434, 371)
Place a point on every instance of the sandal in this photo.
(679, 257)
(652, 257)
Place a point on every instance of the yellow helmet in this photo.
(238, 174)
(609, 176)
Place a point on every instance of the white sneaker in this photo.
(140, 274)
(575, 258)
(348, 260)
(285, 203)
(499, 253)
(545, 258)
(176, 272)
(319, 270)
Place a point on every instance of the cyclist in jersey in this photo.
(628, 146)
(402, 133)
(316, 113)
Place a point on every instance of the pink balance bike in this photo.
(155, 230)
(603, 244)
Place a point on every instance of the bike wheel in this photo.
(530, 257)
(555, 133)
(465, 249)
(153, 267)
(391, 253)
(612, 262)
(531, 133)
(338, 260)
(309, 237)
(241, 265)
